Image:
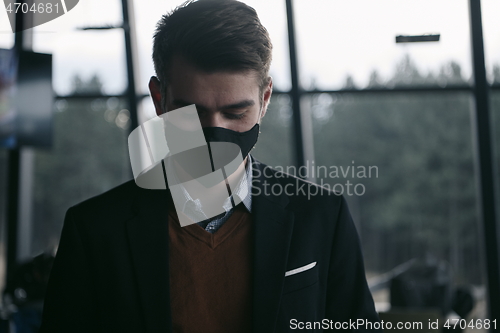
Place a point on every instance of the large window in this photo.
(404, 159)
(89, 154)
(408, 158)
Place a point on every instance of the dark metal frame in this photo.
(14, 174)
(132, 97)
(295, 92)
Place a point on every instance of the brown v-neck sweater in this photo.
(211, 275)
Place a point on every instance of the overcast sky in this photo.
(335, 38)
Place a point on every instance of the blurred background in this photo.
(420, 111)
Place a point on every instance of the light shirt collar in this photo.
(194, 210)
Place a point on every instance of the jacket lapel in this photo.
(273, 230)
(148, 236)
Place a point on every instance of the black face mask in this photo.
(202, 160)
(245, 140)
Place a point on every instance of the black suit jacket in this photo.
(111, 272)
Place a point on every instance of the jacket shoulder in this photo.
(117, 202)
(303, 194)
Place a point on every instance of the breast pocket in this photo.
(300, 277)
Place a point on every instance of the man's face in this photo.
(230, 100)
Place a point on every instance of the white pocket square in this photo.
(300, 269)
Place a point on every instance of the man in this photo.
(270, 263)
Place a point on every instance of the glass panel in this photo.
(274, 147)
(88, 13)
(6, 35)
(348, 43)
(490, 10)
(404, 161)
(85, 53)
(88, 157)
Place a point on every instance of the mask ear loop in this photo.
(260, 112)
(262, 105)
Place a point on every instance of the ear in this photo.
(155, 91)
(268, 91)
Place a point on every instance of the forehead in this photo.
(197, 86)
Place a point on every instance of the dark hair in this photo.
(213, 35)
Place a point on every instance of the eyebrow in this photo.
(239, 105)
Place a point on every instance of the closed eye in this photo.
(230, 115)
